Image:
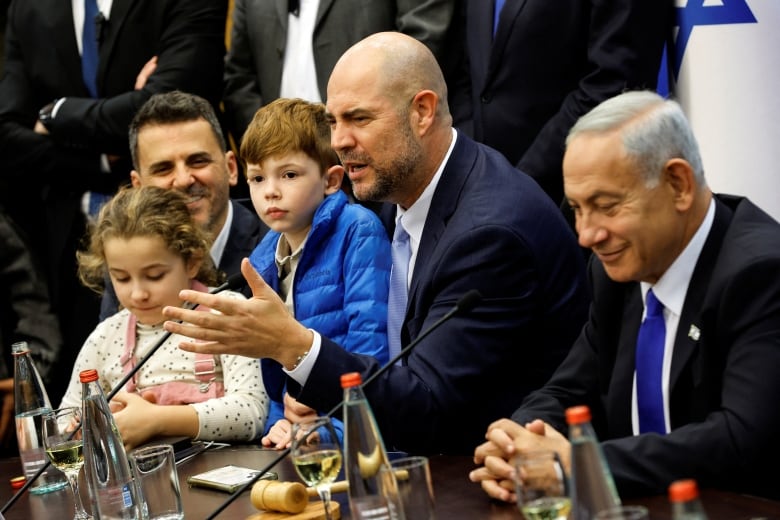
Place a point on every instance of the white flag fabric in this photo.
(726, 61)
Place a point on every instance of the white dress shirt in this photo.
(670, 290)
(299, 72)
(414, 222)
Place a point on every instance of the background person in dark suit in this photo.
(520, 90)
(634, 178)
(25, 315)
(52, 153)
(474, 224)
(261, 45)
(177, 143)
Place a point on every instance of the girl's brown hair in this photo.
(146, 212)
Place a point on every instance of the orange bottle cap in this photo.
(351, 379)
(683, 490)
(577, 415)
(18, 482)
(87, 376)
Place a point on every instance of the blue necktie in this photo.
(89, 47)
(496, 14)
(649, 367)
(397, 298)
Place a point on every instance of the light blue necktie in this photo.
(649, 367)
(397, 298)
(496, 14)
(89, 47)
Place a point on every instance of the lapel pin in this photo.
(694, 333)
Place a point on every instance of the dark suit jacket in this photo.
(246, 231)
(253, 70)
(724, 384)
(43, 63)
(492, 229)
(25, 314)
(549, 64)
(42, 177)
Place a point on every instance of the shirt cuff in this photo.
(56, 107)
(301, 373)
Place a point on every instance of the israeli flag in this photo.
(724, 69)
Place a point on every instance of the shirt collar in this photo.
(414, 217)
(284, 256)
(218, 247)
(671, 288)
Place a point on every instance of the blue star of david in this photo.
(696, 13)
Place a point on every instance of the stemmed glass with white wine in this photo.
(316, 456)
(65, 447)
(542, 491)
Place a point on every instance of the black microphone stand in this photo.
(465, 303)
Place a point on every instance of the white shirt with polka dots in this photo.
(237, 416)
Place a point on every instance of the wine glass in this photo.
(64, 446)
(316, 456)
(541, 486)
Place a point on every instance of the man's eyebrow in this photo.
(349, 114)
(199, 155)
(593, 198)
(159, 165)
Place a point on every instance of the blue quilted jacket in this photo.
(340, 287)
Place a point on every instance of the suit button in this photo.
(486, 98)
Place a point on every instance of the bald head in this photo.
(389, 119)
(402, 65)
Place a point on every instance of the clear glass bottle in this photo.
(373, 490)
(111, 488)
(592, 487)
(30, 403)
(684, 496)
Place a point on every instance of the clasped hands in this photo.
(505, 440)
(135, 417)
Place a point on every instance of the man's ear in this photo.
(232, 166)
(679, 177)
(423, 111)
(135, 179)
(333, 178)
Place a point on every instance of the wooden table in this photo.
(456, 497)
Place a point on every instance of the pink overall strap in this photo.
(205, 364)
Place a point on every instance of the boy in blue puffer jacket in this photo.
(329, 260)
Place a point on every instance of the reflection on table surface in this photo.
(456, 496)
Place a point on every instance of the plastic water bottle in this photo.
(111, 488)
(373, 490)
(593, 489)
(684, 496)
(30, 403)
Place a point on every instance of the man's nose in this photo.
(182, 177)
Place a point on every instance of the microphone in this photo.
(464, 304)
(233, 282)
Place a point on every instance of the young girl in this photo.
(151, 249)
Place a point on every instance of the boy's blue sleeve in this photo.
(366, 285)
(338, 427)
